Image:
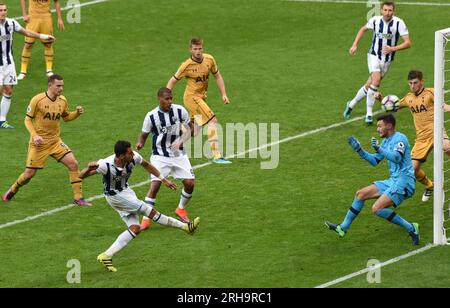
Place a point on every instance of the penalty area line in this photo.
(287, 139)
(368, 269)
(71, 7)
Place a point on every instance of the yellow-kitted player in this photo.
(39, 19)
(44, 115)
(196, 70)
(420, 101)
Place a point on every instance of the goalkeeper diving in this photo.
(388, 193)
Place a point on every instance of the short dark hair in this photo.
(196, 41)
(121, 147)
(54, 77)
(415, 74)
(387, 118)
(164, 90)
(388, 3)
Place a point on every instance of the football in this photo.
(390, 103)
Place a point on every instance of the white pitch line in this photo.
(366, 270)
(308, 133)
(371, 2)
(72, 7)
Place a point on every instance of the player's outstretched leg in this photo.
(392, 217)
(354, 210)
(106, 261)
(360, 95)
(191, 226)
(347, 111)
(427, 194)
(335, 228)
(164, 220)
(423, 179)
(8, 195)
(415, 235)
(122, 240)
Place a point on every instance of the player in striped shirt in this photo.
(8, 76)
(116, 170)
(165, 124)
(387, 29)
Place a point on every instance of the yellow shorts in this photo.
(37, 156)
(198, 110)
(42, 25)
(422, 148)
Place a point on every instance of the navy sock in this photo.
(352, 213)
(394, 218)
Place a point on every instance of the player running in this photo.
(387, 29)
(165, 123)
(196, 69)
(391, 192)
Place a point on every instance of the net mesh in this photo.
(446, 79)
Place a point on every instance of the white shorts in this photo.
(178, 167)
(377, 65)
(8, 75)
(128, 206)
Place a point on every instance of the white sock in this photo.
(120, 243)
(4, 107)
(151, 202)
(371, 99)
(167, 221)
(359, 97)
(184, 199)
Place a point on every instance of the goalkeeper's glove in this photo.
(375, 144)
(354, 143)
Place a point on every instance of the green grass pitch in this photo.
(282, 62)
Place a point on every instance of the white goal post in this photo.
(441, 95)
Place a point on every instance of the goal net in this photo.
(441, 196)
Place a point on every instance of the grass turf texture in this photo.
(282, 62)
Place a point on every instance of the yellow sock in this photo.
(422, 178)
(26, 55)
(214, 142)
(21, 181)
(77, 185)
(49, 56)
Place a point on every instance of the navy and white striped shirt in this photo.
(165, 128)
(7, 30)
(385, 33)
(115, 179)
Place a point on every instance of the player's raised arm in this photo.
(358, 37)
(91, 169)
(70, 116)
(373, 159)
(36, 35)
(151, 169)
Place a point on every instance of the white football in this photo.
(390, 103)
